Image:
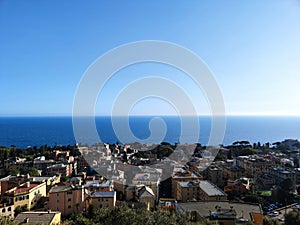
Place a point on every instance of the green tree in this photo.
(13, 171)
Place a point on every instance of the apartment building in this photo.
(199, 190)
(27, 194)
(182, 175)
(67, 199)
(254, 165)
(279, 174)
(102, 199)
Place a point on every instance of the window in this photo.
(3, 210)
(69, 192)
(9, 209)
(57, 194)
(69, 199)
(98, 199)
(57, 200)
(69, 207)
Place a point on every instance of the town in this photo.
(244, 184)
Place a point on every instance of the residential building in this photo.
(99, 186)
(67, 199)
(131, 192)
(7, 210)
(147, 197)
(182, 175)
(279, 174)
(59, 169)
(265, 181)
(46, 218)
(209, 192)
(50, 181)
(199, 190)
(224, 212)
(103, 199)
(215, 175)
(233, 172)
(42, 164)
(240, 186)
(167, 203)
(254, 165)
(150, 179)
(26, 194)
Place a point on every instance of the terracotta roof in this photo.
(24, 188)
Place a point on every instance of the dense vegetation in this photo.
(123, 215)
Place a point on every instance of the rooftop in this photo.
(35, 217)
(23, 188)
(146, 177)
(146, 192)
(188, 184)
(210, 189)
(57, 189)
(204, 208)
(103, 194)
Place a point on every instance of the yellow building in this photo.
(47, 218)
(104, 199)
(199, 190)
(27, 194)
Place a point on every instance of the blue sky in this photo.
(252, 47)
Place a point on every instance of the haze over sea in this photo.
(36, 131)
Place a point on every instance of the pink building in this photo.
(67, 199)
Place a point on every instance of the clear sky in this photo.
(252, 47)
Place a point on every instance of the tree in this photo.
(6, 221)
(13, 172)
(270, 221)
(292, 217)
(31, 171)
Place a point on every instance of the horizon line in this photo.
(140, 115)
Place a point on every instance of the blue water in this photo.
(37, 131)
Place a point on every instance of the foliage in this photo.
(31, 171)
(292, 217)
(123, 215)
(253, 198)
(13, 172)
(270, 221)
(20, 209)
(6, 221)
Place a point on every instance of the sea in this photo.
(27, 131)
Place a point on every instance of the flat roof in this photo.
(210, 189)
(188, 184)
(204, 208)
(57, 189)
(36, 217)
(103, 194)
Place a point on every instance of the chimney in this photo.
(28, 184)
